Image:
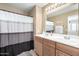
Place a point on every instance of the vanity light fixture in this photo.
(53, 6)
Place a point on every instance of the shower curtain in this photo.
(16, 33)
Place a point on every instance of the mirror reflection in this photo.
(62, 18)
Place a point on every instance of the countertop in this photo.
(70, 40)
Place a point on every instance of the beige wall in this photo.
(62, 19)
(44, 19)
(8, 7)
(37, 17)
(33, 14)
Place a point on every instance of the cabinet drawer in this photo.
(68, 49)
(49, 42)
(60, 53)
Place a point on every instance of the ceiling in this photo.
(26, 6)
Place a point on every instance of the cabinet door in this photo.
(48, 50)
(67, 49)
(38, 46)
(60, 53)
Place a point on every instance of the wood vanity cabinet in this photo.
(44, 47)
(38, 43)
(48, 48)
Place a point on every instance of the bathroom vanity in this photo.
(46, 45)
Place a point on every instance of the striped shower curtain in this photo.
(16, 33)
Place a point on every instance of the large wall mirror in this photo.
(62, 18)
